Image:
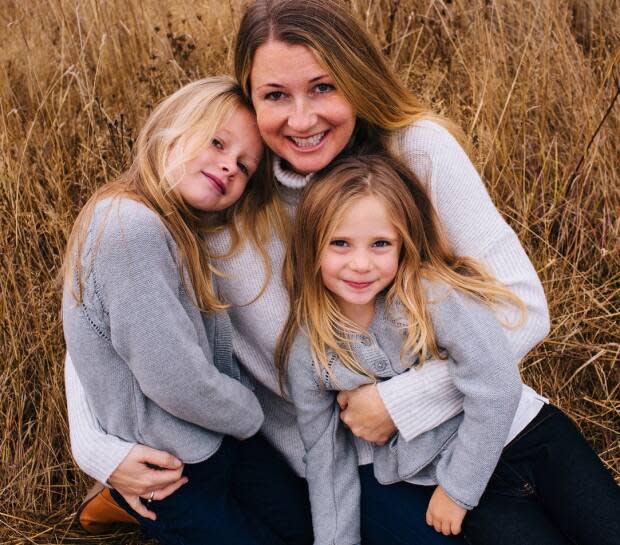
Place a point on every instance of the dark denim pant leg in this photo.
(265, 485)
(204, 510)
(396, 513)
(549, 488)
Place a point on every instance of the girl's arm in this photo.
(331, 459)
(474, 228)
(484, 368)
(153, 332)
(127, 467)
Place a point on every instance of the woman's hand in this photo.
(444, 514)
(147, 473)
(364, 412)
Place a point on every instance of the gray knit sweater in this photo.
(473, 226)
(155, 369)
(460, 453)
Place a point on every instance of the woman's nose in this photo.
(302, 117)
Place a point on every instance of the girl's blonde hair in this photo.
(424, 254)
(185, 120)
(347, 51)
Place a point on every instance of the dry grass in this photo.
(529, 80)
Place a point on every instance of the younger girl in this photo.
(150, 340)
(375, 290)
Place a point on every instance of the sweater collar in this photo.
(288, 178)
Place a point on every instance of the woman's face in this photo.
(301, 115)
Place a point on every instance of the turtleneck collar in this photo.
(289, 178)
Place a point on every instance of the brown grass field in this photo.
(534, 84)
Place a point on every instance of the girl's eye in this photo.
(324, 88)
(243, 168)
(274, 95)
(217, 143)
(339, 243)
(382, 243)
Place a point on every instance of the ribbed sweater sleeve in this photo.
(97, 453)
(475, 228)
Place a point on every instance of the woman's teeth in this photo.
(308, 142)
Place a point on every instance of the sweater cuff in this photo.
(421, 399)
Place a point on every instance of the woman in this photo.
(319, 86)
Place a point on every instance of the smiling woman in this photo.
(322, 89)
(303, 117)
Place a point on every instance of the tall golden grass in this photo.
(533, 83)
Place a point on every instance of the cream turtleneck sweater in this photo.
(473, 226)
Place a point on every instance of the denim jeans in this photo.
(216, 506)
(396, 513)
(549, 488)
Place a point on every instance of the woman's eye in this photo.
(217, 143)
(339, 243)
(324, 88)
(243, 168)
(274, 95)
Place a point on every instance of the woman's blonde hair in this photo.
(424, 254)
(347, 51)
(185, 120)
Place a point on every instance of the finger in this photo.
(446, 527)
(456, 527)
(429, 518)
(344, 416)
(156, 479)
(140, 508)
(343, 400)
(159, 458)
(437, 525)
(166, 491)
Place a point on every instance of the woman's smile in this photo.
(301, 115)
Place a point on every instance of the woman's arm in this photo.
(474, 228)
(127, 467)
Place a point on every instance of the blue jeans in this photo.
(231, 498)
(396, 513)
(549, 488)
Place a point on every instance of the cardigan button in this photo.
(366, 340)
(381, 365)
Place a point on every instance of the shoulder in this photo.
(301, 367)
(426, 136)
(123, 219)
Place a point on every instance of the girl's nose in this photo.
(302, 117)
(360, 262)
(228, 165)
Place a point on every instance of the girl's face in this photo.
(361, 258)
(216, 176)
(301, 115)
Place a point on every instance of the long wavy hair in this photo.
(425, 254)
(185, 120)
(352, 57)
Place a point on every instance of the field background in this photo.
(532, 82)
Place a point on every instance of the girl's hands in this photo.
(147, 473)
(364, 412)
(444, 514)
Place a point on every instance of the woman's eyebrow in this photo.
(280, 86)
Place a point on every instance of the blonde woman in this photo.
(319, 86)
(149, 337)
(376, 291)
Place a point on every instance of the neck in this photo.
(360, 315)
(287, 177)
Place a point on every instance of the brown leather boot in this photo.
(99, 512)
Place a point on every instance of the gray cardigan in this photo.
(155, 369)
(460, 454)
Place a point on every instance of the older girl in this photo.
(319, 85)
(146, 330)
(376, 291)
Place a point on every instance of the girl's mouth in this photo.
(216, 182)
(308, 144)
(357, 285)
